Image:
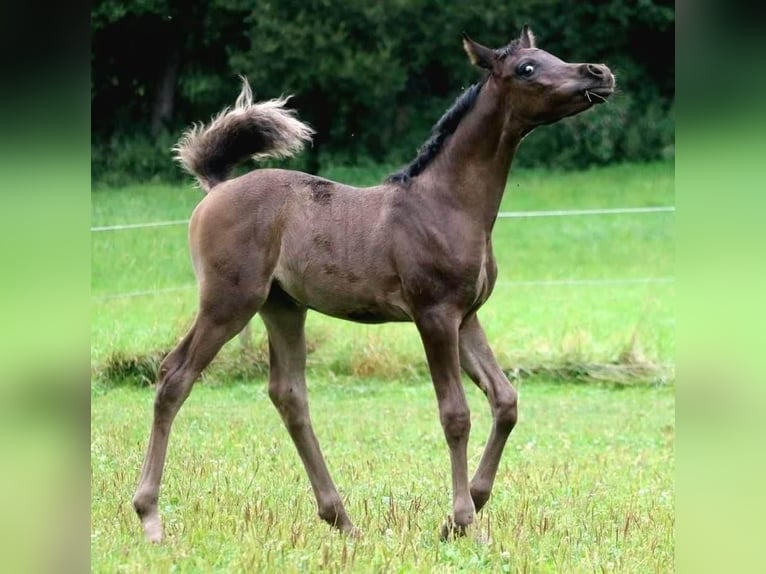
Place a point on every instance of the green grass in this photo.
(586, 483)
(587, 480)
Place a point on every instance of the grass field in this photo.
(587, 480)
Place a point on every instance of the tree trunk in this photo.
(164, 97)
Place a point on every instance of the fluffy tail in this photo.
(261, 130)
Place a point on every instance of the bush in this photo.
(624, 130)
(370, 77)
(134, 158)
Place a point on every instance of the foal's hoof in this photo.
(348, 529)
(450, 530)
(153, 529)
(354, 532)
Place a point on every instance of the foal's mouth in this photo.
(598, 95)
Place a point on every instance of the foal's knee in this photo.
(506, 410)
(290, 402)
(280, 394)
(456, 422)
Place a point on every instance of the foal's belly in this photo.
(347, 295)
(365, 312)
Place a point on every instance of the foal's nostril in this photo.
(595, 70)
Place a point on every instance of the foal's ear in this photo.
(480, 55)
(527, 38)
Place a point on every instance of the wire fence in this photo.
(519, 283)
(502, 215)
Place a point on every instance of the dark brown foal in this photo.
(415, 248)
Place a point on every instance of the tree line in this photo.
(370, 76)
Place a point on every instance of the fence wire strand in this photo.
(517, 283)
(501, 215)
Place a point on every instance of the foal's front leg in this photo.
(480, 365)
(439, 332)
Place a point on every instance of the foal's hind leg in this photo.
(478, 361)
(224, 310)
(287, 390)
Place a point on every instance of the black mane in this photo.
(445, 127)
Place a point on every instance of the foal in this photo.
(415, 248)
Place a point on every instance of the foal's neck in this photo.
(473, 167)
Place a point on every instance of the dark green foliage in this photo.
(139, 370)
(371, 77)
(135, 157)
(626, 129)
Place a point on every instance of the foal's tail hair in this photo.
(260, 130)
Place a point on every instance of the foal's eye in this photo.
(525, 70)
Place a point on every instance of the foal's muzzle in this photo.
(603, 82)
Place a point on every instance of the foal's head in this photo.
(538, 87)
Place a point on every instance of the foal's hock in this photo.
(415, 248)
